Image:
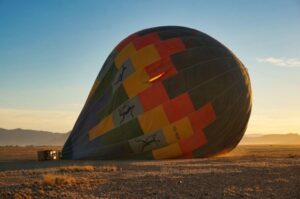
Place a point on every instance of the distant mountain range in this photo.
(283, 139)
(23, 137)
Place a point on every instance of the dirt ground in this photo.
(247, 172)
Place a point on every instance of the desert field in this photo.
(261, 171)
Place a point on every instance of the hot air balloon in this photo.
(164, 93)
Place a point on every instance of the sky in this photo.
(52, 51)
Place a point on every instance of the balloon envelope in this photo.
(164, 92)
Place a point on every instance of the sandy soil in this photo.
(246, 172)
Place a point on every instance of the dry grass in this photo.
(77, 168)
(52, 179)
(247, 172)
(23, 194)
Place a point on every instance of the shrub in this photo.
(52, 179)
(77, 168)
(110, 168)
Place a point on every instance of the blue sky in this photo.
(52, 51)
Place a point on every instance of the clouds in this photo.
(282, 62)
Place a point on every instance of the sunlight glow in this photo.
(156, 77)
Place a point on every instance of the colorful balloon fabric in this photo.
(164, 92)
